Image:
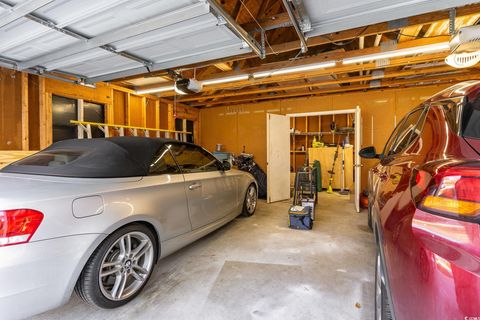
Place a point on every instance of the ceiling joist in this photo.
(381, 84)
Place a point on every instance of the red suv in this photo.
(424, 208)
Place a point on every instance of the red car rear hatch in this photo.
(474, 143)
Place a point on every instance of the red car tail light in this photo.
(18, 226)
(453, 191)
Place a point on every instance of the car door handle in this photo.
(194, 186)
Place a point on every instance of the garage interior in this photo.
(218, 73)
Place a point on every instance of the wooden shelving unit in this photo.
(306, 128)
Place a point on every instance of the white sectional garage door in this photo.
(328, 16)
(105, 39)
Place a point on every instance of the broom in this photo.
(332, 172)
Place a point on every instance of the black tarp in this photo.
(92, 158)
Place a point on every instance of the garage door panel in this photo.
(126, 14)
(67, 35)
(203, 22)
(99, 66)
(332, 16)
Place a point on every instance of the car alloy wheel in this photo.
(126, 266)
(250, 203)
(251, 200)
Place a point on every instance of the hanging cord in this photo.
(341, 43)
(414, 36)
(261, 28)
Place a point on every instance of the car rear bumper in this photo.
(39, 276)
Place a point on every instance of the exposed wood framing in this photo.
(128, 108)
(381, 84)
(49, 123)
(144, 111)
(171, 117)
(24, 106)
(42, 113)
(384, 75)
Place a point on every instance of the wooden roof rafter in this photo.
(421, 81)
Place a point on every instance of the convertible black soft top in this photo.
(92, 158)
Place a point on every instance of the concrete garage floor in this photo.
(258, 268)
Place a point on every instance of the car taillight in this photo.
(453, 191)
(18, 226)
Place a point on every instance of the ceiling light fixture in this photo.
(155, 90)
(308, 67)
(242, 77)
(225, 80)
(203, 83)
(430, 48)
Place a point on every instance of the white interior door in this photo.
(358, 145)
(278, 157)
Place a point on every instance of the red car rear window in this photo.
(471, 121)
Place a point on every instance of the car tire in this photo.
(382, 303)
(250, 201)
(119, 268)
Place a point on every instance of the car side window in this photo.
(392, 139)
(193, 159)
(411, 130)
(163, 163)
(406, 132)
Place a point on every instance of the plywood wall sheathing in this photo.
(245, 125)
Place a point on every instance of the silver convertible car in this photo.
(95, 215)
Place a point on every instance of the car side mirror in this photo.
(226, 165)
(369, 153)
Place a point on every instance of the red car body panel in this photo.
(432, 262)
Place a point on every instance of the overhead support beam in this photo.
(236, 9)
(327, 57)
(305, 22)
(380, 74)
(20, 10)
(280, 20)
(298, 30)
(237, 29)
(397, 62)
(103, 40)
(462, 76)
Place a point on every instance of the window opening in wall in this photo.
(185, 125)
(66, 109)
